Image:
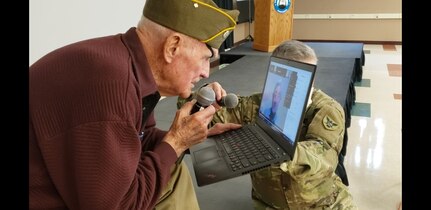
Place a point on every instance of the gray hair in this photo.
(295, 50)
(155, 30)
(158, 33)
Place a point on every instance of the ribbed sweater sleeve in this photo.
(100, 166)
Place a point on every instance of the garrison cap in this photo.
(200, 19)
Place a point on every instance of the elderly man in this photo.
(93, 143)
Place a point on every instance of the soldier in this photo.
(309, 180)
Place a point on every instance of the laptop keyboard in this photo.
(245, 148)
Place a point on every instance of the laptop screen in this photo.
(285, 96)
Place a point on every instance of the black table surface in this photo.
(337, 49)
(322, 49)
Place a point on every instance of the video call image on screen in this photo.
(283, 97)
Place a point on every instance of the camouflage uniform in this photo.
(309, 180)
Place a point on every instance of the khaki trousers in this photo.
(179, 194)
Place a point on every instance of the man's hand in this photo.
(187, 130)
(190, 129)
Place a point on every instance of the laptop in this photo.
(269, 140)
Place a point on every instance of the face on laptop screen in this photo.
(283, 98)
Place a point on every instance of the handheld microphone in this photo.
(205, 97)
(229, 101)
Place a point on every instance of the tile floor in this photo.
(373, 160)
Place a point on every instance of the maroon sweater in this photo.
(86, 114)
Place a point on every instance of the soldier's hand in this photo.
(219, 128)
(219, 93)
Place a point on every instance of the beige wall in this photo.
(351, 20)
(242, 32)
(348, 30)
(347, 6)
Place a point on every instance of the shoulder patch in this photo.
(329, 123)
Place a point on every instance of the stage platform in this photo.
(322, 49)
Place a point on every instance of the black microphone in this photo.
(205, 97)
(229, 101)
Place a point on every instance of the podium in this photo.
(270, 26)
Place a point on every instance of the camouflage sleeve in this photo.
(316, 158)
(182, 101)
(328, 123)
(310, 181)
(245, 112)
(317, 155)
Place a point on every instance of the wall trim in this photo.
(371, 16)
